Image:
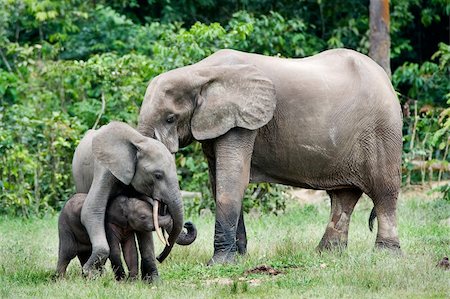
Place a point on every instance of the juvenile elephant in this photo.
(330, 122)
(115, 160)
(124, 216)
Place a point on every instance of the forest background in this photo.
(69, 66)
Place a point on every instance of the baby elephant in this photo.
(124, 217)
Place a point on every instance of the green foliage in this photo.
(272, 34)
(44, 115)
(68, 66)
(427, 127)
(104, 30)
(429, 81)
(193, 176)
(33, 154)
(445, 190)
(266, 198)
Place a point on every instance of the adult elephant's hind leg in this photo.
(385, 208)
(343, 202)
(233, 153)
(385, 171)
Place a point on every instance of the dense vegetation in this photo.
(68, 66)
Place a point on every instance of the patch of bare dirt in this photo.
(423, 191)
(228, 281)
(306, 196)
(263, 269)
(219, 281)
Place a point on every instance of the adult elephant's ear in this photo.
(115, 146)
(231, 96)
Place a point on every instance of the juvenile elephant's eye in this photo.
(143, 217)
(171, 118)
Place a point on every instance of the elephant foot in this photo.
(223, 257)
(333, 240)
(120, 277)
(391, 245)
(152, 278)
(92, 273)
(95, 265)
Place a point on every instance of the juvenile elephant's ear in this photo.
(115, 147)
(231, 96)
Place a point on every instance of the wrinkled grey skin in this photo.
(329, 122)
(116, 159)
(124, 216)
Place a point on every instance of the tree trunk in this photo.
(380, 40)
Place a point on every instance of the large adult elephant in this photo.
(330, 122)
(117, 159)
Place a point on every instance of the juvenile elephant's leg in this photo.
(385, 208)
(67, 251)
(241, 234)
(233, 156)
(149, 271)
(93, 217)
(342, 204)
(63, 262)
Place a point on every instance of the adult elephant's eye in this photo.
(171, 118)
(158, 175)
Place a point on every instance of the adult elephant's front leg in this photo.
(241, 234)
(233, 153)
(103, 186)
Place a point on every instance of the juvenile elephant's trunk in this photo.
(176, 211)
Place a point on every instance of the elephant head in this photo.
(204, 101)
(138, 214)
(146, 165)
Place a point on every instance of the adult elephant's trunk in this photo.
(186, 238)
(176, 211)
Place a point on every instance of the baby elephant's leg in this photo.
(148, 260)
(130, 254)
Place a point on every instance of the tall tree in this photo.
(380, 40)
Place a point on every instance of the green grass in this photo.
(28, 255)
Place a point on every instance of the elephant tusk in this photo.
(156, 224)
(166, 237)
(157, 135)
